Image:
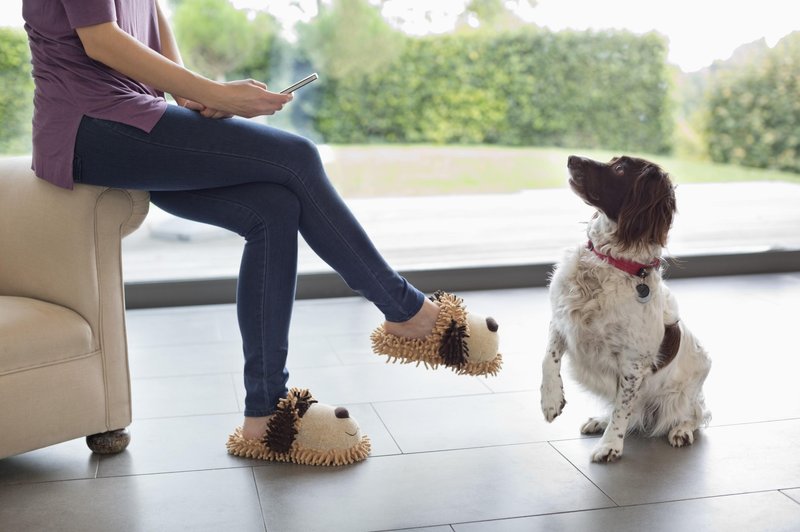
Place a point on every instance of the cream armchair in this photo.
(63, 349)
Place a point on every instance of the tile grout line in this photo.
(389, 432)
(258, 496)
(583, 474)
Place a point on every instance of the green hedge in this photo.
(16, 91)
(753, 116)
(535, 87)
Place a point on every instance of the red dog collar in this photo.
(633, 268)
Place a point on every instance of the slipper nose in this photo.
(491, 323)
(341, 412)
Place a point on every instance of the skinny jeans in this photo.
(266, 185)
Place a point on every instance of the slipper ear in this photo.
(282, 429)
(453, 349)
(304, 401)
(437, 296)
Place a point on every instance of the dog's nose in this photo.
(491, 324)
(573, 161)
(341, 412)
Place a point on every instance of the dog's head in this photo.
(636, 194)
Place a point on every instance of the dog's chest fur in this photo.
(595, 307)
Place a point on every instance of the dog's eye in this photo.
(618, 169)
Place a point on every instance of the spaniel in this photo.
(615, 317)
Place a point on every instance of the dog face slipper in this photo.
(463, 342)
(304, 431)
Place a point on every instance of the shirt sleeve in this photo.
(81, 13)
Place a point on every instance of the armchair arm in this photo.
(63, 246)
(52, 240)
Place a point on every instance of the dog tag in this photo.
(642, 293)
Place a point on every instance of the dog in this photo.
(615, 317)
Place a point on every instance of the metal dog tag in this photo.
(642, 293)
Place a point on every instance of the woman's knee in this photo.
(304, 151)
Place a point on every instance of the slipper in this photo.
(465, 343)
(305, 431)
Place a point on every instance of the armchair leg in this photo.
(114, 441)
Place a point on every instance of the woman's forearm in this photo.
(108, 44)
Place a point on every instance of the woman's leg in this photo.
(266, 216)
(186, 152)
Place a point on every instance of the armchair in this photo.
(63, 348)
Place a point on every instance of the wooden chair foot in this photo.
(114, 441)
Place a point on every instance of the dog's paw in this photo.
(594, 426)
(553, 401)
(680, 436)
(605, 453)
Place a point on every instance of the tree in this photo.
(349, 39)
(16, 91)
(217, 39)
(491, 15)
(753, 115)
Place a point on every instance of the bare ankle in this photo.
(255, 427)
(419, 326)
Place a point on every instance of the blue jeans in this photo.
(266, 185)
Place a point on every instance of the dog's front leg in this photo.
(552, 389)
(610, 447)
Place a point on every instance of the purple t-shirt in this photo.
(69, 84)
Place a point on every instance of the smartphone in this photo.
(302, 83)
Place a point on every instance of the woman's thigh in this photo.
(186, 151)
(243, 209)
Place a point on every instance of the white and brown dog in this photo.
(615, 317)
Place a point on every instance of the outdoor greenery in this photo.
(753, 114)
(503, 83)
(16, 91)
(375, 170)
(529, 87)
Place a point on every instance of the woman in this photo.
(101, 68)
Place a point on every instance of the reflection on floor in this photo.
(451, 453)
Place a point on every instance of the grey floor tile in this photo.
(179, 325)
(382, 382)
(183, 396)
(723, 461)
(762, 512)
(428, 489)
(65, 461)
(383, 442)
(166, 445)
(794, 494)
(480, 420)
(185, 359)
(201, 501)
(424, 529)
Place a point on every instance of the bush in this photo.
(532, 87)
(16, 91)
(753, 115)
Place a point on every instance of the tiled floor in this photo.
(450, 453)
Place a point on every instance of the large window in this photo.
(447, 128)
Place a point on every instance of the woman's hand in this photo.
(247, 98)
(200, 108)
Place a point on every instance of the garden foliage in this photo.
(753, 113)
(529, 87)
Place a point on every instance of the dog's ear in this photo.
(647, 210)
(453, 349)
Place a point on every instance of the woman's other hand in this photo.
(248, 98)
(202, 109)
